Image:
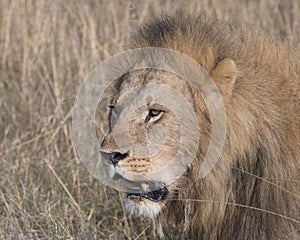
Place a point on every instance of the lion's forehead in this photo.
(143, 78)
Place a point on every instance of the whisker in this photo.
(242, 206)
(267, 181)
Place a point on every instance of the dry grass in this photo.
(47, 50)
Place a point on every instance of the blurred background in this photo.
(47, 50)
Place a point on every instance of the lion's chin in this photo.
(142, 207)
(147, 204)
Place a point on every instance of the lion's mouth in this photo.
(153, 191)
(155, 196)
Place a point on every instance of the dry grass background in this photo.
(47, 49)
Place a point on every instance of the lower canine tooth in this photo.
(145, 187)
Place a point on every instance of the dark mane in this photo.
(195, 35)
(186, 33)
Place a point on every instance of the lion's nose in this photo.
(115, 157)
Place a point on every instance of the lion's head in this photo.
(156, 121)
(155, 132)
(250, 190)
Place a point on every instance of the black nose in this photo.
(115, 157)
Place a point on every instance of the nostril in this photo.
(115, 157)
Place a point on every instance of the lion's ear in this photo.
(225, 74)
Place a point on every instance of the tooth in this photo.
(144, 187)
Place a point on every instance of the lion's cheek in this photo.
(163, 159)
(149, 165)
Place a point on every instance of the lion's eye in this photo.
(153, 114)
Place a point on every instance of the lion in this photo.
(253, 191)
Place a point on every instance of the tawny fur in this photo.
(263, 138)
(254, 190)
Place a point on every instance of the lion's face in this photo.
(143, 141)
